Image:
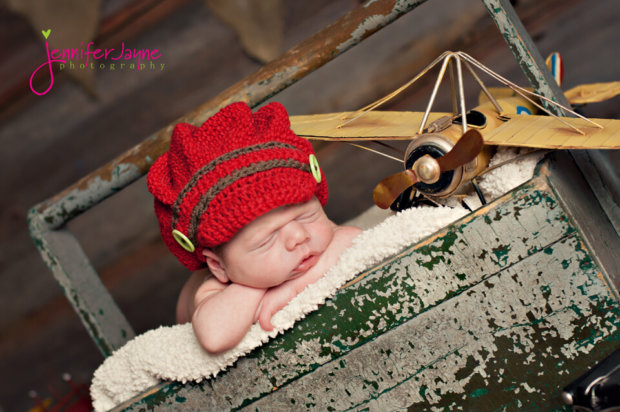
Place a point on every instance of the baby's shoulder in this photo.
(343, 238)
(209, 286)
(346, 233)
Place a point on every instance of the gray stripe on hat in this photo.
(226, 181)
(216, 162)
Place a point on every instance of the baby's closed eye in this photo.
(308, 217)
(266, 241)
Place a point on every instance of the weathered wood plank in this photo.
(477, 350)
(99, 314)
(525, 51)
(509, 292)
(599, 225)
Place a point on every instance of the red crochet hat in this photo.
(217, 178)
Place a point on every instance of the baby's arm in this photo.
(186, 302)
(224, 313)
(279, 296)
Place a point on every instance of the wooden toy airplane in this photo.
(450, 149)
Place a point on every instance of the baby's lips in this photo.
(307, 263)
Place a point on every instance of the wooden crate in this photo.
(501, 309)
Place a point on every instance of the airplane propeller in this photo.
(428, 169)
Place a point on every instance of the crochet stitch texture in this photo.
(218, 177)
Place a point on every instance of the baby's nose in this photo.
(297, 234)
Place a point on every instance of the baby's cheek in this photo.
(280, 265)
(325, 233)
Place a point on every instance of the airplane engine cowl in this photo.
(435, 145)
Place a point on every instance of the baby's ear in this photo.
(216, 265)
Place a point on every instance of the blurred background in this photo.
(90, 116)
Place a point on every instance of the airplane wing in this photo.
(373, 125)
(592, 93)
(519, 130)
(549, 133)
(581, 94)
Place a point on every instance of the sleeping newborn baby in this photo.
(243, 196)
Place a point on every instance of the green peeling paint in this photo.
(479, 392)
(341, 317)
(501, 254)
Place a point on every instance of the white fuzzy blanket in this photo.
(173, 353)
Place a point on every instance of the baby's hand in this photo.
(275, 299)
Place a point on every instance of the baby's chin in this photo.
(295, 275)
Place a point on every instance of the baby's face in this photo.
(278, 246)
